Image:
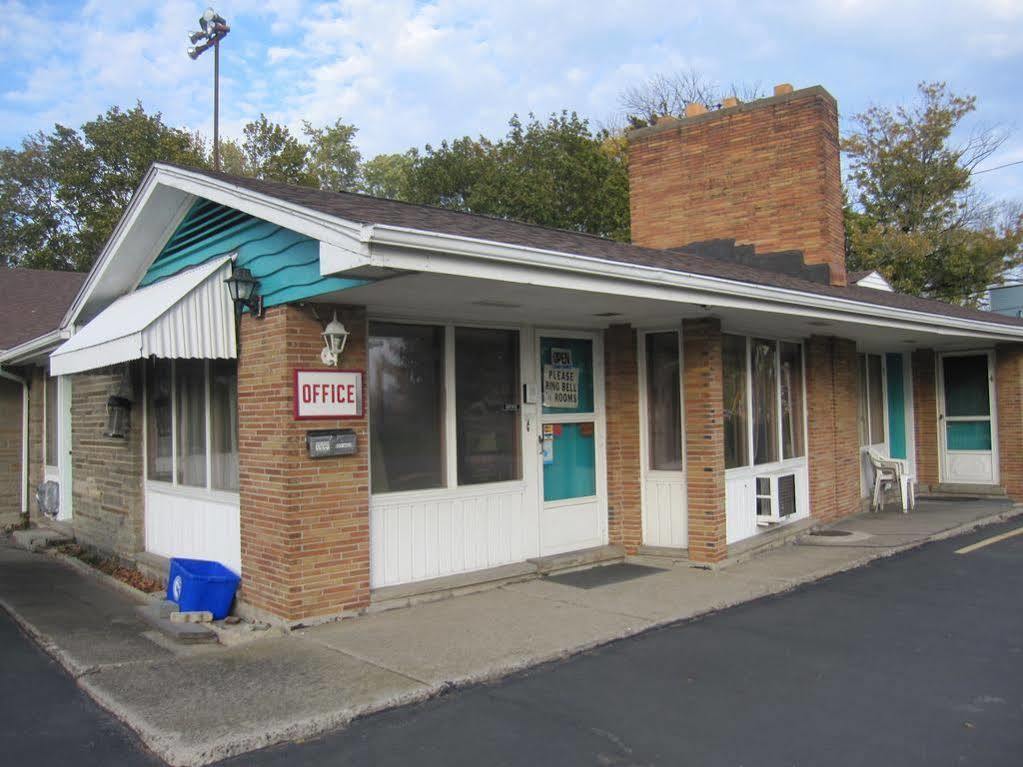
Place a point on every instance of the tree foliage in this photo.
(915, 215)
(63, 192)
(555, 172)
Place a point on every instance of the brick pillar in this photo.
(1009, 409)
(833, 455)
(925, 417)
(704, 439)
(304, 522)
(624, 505)
(10, 451)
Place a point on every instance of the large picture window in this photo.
(406, 399)
(664, 402)
(764, 407)
(192, 423)
(423, 379)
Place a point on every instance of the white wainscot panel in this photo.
(664, 511)
(180, 523)
(415, 537)
(741, 498)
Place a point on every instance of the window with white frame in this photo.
(192, 423)
(870, 372)
(764, 409)
(443, 406)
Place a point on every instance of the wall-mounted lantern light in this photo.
(335, 336)
(119, 407)
(242, 287)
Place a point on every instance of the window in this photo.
(444, 404)
(51, 405)
(733, 355)
(871, 400)
(406, 397)
(663, 402)
(192, 423)
(764, 407)
(791, 367)
(486, 405)
(763, 362)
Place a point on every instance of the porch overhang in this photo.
(500, 273)
(189, 315)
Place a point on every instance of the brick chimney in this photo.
(764, 173)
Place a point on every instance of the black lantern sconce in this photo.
(242, 287)
(119, 408)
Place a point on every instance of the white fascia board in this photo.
(335, 258)
(312, 224)
(93, 357)
(416, 250)
(36, 347)
(318, 226)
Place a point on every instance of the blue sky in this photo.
(407, 73)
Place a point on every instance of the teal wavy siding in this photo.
(286, 264)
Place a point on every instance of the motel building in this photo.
(352, 400)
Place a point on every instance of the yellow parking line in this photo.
(989, 541)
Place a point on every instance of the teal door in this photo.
(966, 426)
(571, 442)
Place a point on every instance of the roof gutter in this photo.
(715, 290)
(24, 435)
(26, 351)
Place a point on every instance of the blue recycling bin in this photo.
(199, 584)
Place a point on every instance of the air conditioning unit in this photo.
(775, 498)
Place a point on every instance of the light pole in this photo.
(213, 29)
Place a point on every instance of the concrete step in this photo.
(953, 489)
(39, 538)
(157, 615)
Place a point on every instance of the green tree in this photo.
(915, 215)
(62, 193)
(272, 153)
(387, 175)
(556, 172)
(332, 158)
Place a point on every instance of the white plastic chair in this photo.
(893, 471)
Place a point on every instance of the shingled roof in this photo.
(33, 302)
(364, 209)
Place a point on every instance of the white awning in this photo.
(189, 315)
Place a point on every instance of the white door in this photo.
(573, 513)
(967, 429)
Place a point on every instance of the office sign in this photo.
(328, 394)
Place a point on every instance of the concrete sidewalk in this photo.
(197, 704)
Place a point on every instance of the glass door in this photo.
(571, 443)
(967, 429)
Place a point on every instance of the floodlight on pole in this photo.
(214, 29)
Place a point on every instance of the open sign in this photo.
(328, 394)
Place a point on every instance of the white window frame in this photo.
(773, 469)
(174, 487)
(450, 488)
(61, 473)
(644, 404)
(881, 446)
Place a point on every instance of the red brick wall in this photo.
(625, 516)
(925, 416)
(833, 454)
(765, 173)
(1009, 404)
(704, 439)
(10, 451)
(304, 522)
